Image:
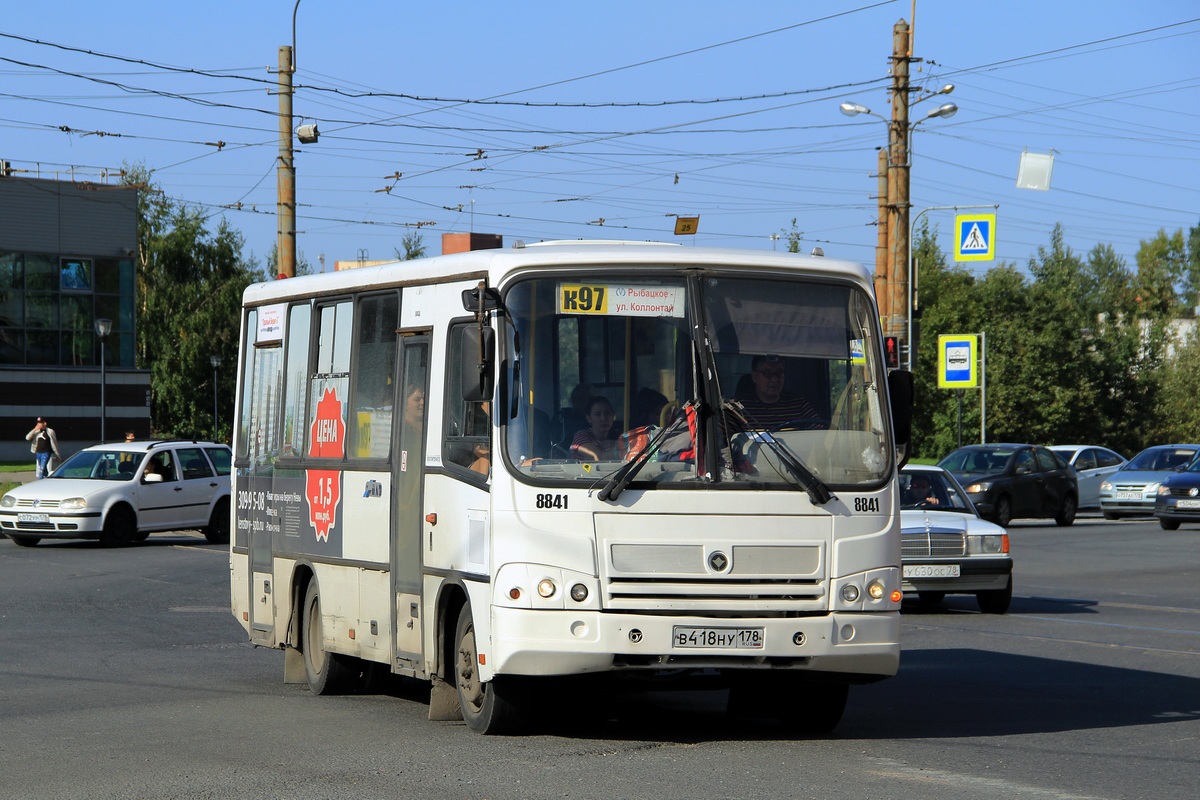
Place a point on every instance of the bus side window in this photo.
(466, 436)
(375, 339)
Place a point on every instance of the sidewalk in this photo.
(19, 477)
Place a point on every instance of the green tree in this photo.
(414, 246)
(190, 281)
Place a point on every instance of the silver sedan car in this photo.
(1093, 464)
(1132, 490)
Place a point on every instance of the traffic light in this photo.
(891, 351)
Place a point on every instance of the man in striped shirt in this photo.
(769, 406)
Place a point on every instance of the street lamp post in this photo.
(215, 360)
(103, 329)
(899, 160)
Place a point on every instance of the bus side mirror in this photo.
(477, 364)
(900, 392)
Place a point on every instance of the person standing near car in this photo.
(44, 446)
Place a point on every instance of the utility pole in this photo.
(898, 177)
(286, 170)
(881, 244)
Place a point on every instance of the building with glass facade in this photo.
(67, 259)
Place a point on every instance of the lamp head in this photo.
(854, 109)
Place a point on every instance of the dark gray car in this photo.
(1010, 481)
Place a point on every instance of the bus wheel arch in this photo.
(498, 706)
(327, 672)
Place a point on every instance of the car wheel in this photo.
(1169, 524)
(25, 541)
(1003, 512)
(497, 706)
(327, 673)
(995, 601)
(1111, 515)
(931, 598)
(217, 531)
(120, 527)
(1066, 514)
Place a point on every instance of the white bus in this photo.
(636, 459)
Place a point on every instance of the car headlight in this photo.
(992, 544)
(1106, 486)
(73, 504)
(1151, 488)
(976, 488)
(1164, 489)
(8, 501)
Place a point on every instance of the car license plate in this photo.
(718, 638)
(1129, 495)
(931, 571)
(1187, 503)
(33, 517)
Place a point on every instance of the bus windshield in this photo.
(701, 377)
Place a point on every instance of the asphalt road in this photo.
(123, 675)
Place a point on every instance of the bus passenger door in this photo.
(408, 469)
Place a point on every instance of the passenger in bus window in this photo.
(597, 442)
(768, 405)
(483, 451)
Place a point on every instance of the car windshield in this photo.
(99, 465)
(931, 491)
(1160, 459)
(978, 460)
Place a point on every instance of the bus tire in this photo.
(327, 673)
(498, 706)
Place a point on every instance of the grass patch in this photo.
(16, 466)
(6, 485)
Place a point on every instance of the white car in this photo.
(945, 547)
(1092, 465)
(121, 493)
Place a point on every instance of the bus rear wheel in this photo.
(497, 706)
(327, 673)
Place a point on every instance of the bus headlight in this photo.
(546, 587)
(579, 593)
(850, 593)
(876, 590)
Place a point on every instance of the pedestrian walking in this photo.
(44, 446)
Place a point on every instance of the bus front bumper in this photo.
(548, 642)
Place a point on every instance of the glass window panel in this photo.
(299, 327)
(75, 312)
(79, 348)
(41, 272)
(371, 430)
(12, 346)
(75, 275)
(107, 276)
(10, 271)
(12, 307)
(41, 310)
(42, 347)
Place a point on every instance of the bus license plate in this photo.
(931, 571)
(718, 638)
(33, 517)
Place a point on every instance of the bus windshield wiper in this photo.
(622, 477)
(818, 492)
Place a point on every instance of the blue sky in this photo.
(622, 112)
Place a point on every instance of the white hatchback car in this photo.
(121, 493)
(1093, 464)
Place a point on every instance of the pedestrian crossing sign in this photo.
(975, 237)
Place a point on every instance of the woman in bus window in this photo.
(597, 442)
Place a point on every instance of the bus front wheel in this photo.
(495, 707)
(327, 673)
